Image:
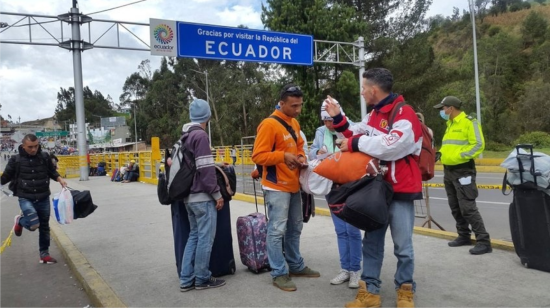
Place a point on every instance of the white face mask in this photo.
(443, 115)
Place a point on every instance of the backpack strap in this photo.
(288, 127)
(226, 180)
(391, 119)
(393, 113)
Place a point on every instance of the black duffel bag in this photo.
(363, 203)
(83, 204)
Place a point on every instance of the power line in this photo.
(116, 7)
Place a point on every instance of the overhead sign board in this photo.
(183, 39)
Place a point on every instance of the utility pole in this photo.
(478, 103)
(361, 45)
(208, 100)
(76, 46)
(135, 126)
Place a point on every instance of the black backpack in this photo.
(227, 180)
(180, 175)
(162, 190)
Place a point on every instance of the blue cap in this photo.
(199, 111)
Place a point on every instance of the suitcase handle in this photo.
(525, 146)
(531, 157)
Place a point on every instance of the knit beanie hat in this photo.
(199, 111)
(324, 114)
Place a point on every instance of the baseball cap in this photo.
(449, 101)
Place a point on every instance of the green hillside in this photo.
(514, 70)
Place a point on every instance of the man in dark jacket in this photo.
(29, 173)
(202, 204)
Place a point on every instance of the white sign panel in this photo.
(163, 37)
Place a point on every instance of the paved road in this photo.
(27, 283)
(128, 241)
(492, 204)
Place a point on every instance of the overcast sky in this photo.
(31, 76)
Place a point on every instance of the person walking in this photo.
(400, 147)
(278, 149)
(348, 236)
(233, 154)
(29, 174)
(202, 204)
(462, 143)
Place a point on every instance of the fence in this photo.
(148, 170)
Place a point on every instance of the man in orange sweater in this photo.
(279, 153)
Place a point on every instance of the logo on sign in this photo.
(163, 34)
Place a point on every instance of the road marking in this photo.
(437, 198)
(479, 186)
(478, 201)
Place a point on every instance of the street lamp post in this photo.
(208, 100)
(135, 126)
(478, 103)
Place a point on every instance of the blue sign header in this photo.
(225, 43)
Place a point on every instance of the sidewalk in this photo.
(124, 251)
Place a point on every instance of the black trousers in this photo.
(462, 201)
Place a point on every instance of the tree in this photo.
(95, 105)
(534, 105)
(533, 29)
(481, 9)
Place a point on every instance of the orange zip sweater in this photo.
(272, 141)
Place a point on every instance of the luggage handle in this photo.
(256, 199)
(531, 157)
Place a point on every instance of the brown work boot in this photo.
(364, 298)
(405, 295)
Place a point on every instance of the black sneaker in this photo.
(460, 241)
(211, 283)
(187, 288)
(480, 249)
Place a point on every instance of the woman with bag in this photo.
(348, 236)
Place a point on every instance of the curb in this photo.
(498, 244)
(100, 293)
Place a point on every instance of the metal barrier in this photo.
(148, 168)
(422, 209)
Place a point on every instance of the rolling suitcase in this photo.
(113, 176)
(252, 235)
(222, 259)
(530, 220)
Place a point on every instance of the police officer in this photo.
(462, 143)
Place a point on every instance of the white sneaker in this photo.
(354, 279)
(342, 277)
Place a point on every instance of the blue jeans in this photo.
(40, 208)
(401, 223)
(130, 176)
(196, 258)
(349, 244)
(285, 222)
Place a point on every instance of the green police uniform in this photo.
(463, 141)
